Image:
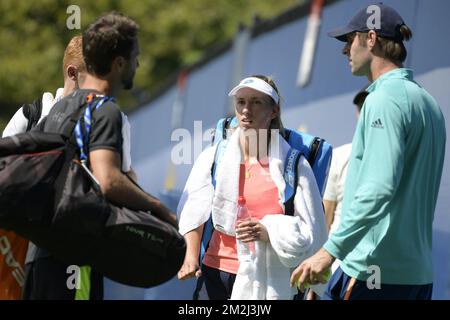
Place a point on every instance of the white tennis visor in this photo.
(258, 85)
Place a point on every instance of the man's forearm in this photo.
(125, 193)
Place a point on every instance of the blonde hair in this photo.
(276, 123)
(73, 55)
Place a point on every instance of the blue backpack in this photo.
(316, 150)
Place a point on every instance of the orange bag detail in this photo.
(13, 250)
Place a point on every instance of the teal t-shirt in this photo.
(392, 184)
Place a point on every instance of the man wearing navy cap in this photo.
(385, 236)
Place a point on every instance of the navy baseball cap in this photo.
(388, 24)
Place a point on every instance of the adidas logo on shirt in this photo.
(377, 124)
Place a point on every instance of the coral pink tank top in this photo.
(261, 195)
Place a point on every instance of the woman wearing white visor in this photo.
(251, 165)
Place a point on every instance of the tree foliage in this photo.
(173, 33)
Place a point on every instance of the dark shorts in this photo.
(47, 279)
(343, 287)
(218, 284)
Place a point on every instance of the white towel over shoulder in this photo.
(194, 208)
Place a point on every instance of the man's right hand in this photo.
(189, 269)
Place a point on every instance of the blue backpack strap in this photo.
(319, 158)
(82, 139)
(220, 133)
(316, 150)
(208, 228)
(226, 125)
(291, 179)
(299, 141)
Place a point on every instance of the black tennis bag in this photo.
(49, 197)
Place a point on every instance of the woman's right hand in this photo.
(190, 268)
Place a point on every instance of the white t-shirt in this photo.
(336, 181)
